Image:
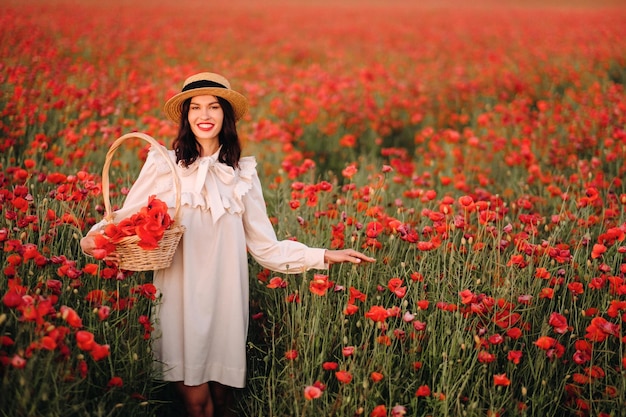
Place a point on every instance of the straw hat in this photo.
(210, 84)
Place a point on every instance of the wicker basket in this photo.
(131, 256)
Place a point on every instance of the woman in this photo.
(202, 320)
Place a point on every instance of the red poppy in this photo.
(347, 351)
(501, 380)
(104, 312)
(277, 282)
(545, 342)
(99, 352)
(91, 269)
(71, 317)
(350, 309)
(82, 368)
(379, 411)
(486, 357)
(467, 296)
(600, 328)
(376, 376)
(576, 288)
(115, 381)
(291, 354)
(377, 314)
(395, 286)
(12, 299)
(384, 339)
(349, 171)
(552, 347)
(312, 392)
(85, 340)
(18, 362)
(343, 376)
(95, 297)
(356, 295)
(558, 323)
(598, 250)
(546, 293)
(320, 284)
(423, 391)
(330, 366)
(373, 229)
(514, 356)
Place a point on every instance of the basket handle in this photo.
(108, 214)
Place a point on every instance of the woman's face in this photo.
(205, 117)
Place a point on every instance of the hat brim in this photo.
(173, 106)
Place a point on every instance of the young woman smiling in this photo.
(201, 321)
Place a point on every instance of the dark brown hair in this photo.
(187, 149)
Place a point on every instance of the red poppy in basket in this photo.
(149, 224)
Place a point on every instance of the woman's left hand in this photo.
(346, 255)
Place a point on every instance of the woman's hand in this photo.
(88, 245)
(346, 255)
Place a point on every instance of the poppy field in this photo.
(477, 152)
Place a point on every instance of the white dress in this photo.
(201, 322)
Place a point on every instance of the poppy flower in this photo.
(423, 391)
(71, 316)
(379, 411)
(500, 380)
(330, 366)
(347, 351)
(558, 323)
(351, 309)
(99, 352)
(356, 295)
(546, 293)
(149, 224)
(349, 171)
(312, 392)
(552, 347)
(395, 286)
(277, 282)
(116, 382)
(377, 314)
(85, 340)
(376, 376)
(95, 297)
(467, 296)
(373, 229)
(514, 356)
(320, 284)
(598, 250)
(344, 377)
(18, 362)
(486, 357)
(398, 411)
(104, 312)
(600, 329)
(12, 299)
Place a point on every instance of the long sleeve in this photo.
(284, 256)
(153, 179)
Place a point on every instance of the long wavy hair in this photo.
(187, 149)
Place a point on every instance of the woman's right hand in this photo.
(89, 247)
(88, 243)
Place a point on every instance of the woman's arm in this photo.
(137, 197)
(285, 256)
